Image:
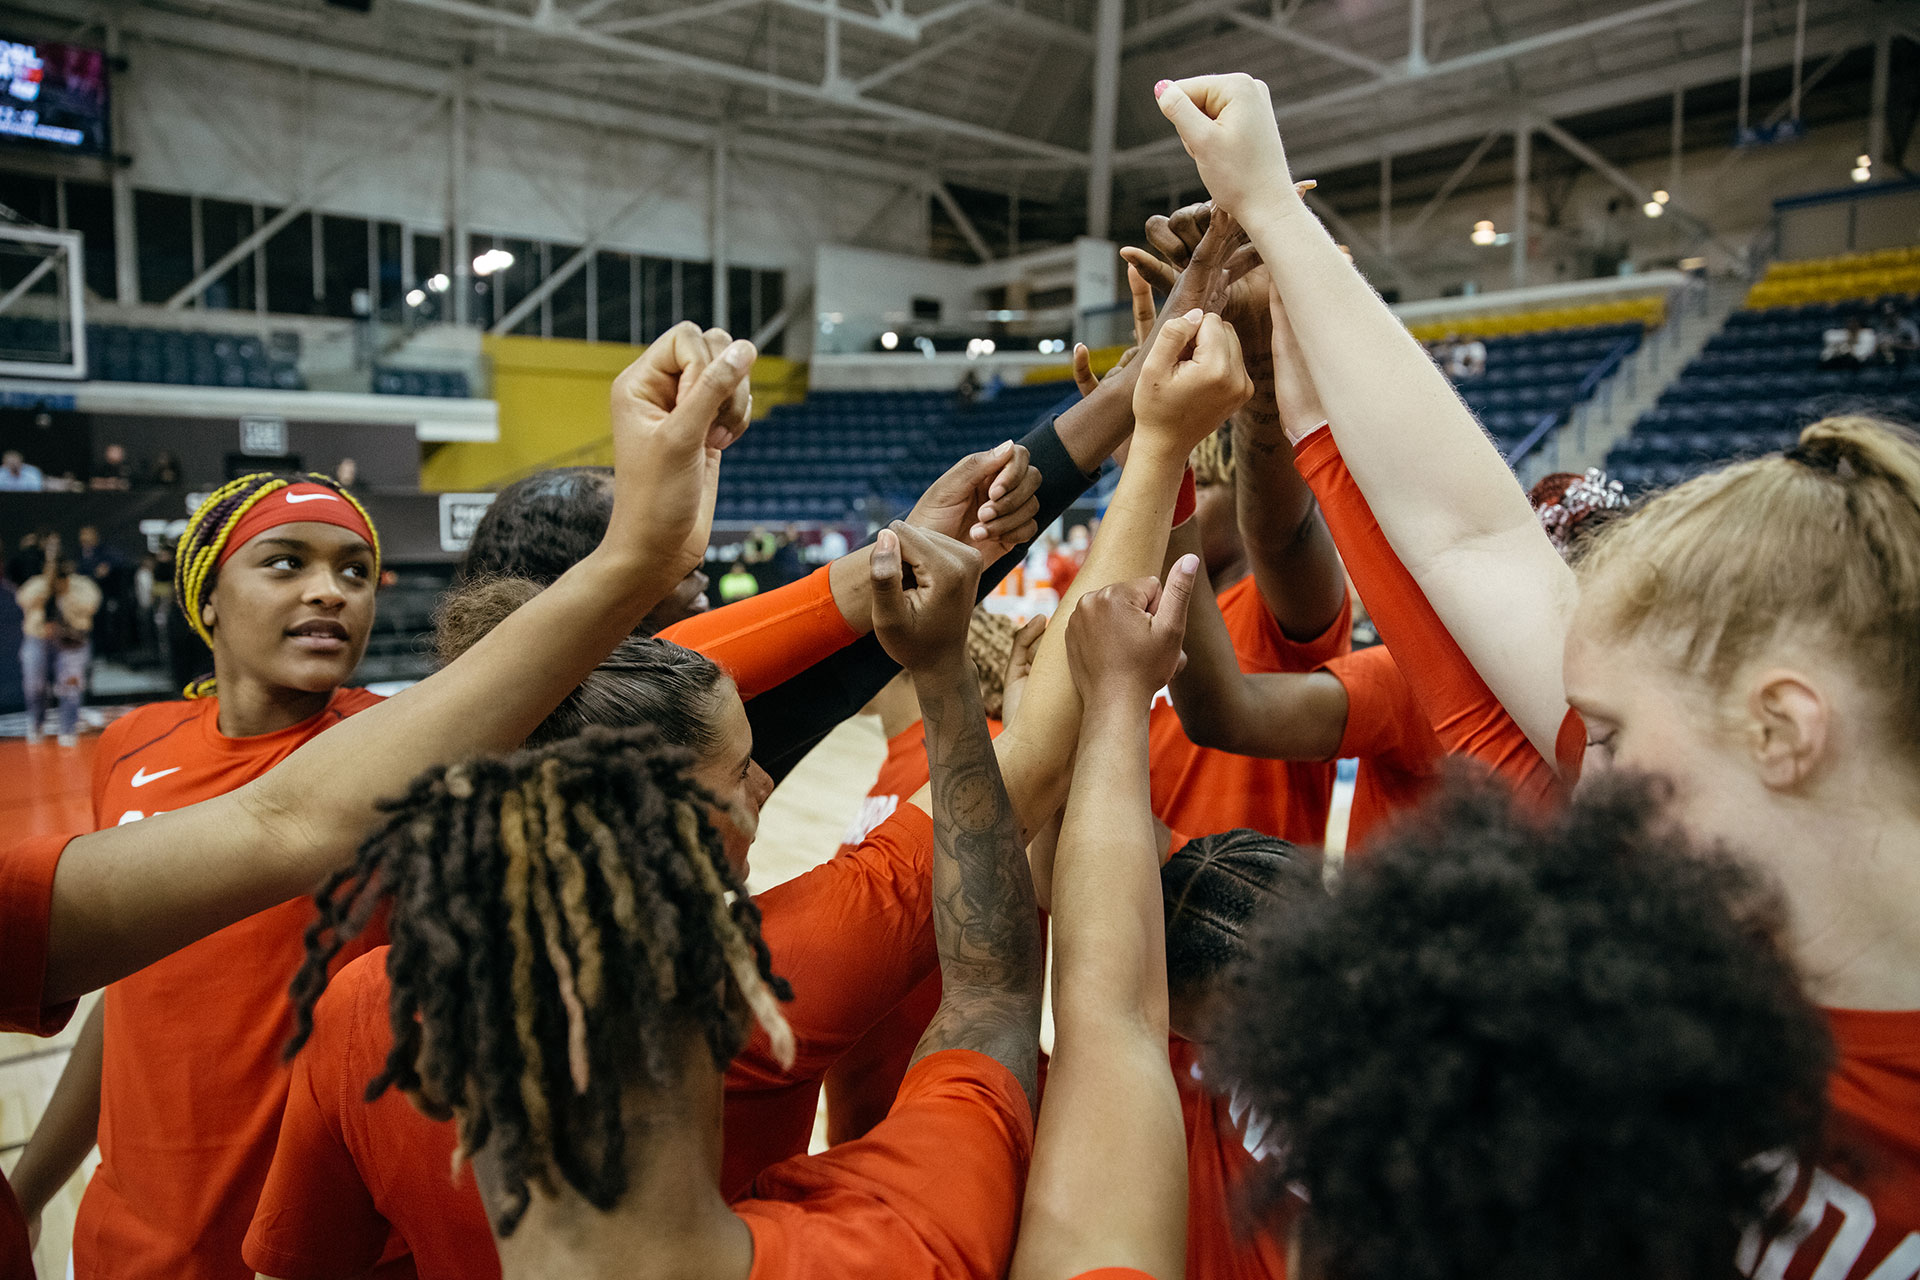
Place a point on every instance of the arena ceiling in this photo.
(1007, 94)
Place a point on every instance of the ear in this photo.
(1790, 727)
(206, 612)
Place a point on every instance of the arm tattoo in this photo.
(985, 920)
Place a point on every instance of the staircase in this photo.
(1696, 313)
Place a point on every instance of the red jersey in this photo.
(1856, 1216)
(26, 918)
(192, 1085)
(1465, 716)
(1387, 732)
(767, 639)
(932, 1193)
(1200, 790)
(1223, 1142)
(902, 774)
(854, 936)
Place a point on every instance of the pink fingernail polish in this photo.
(1161, 87)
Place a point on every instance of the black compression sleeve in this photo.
(790, 718)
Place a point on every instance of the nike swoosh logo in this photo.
(313, 497)
(141, 777)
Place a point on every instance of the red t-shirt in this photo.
(1201, 790)
(767, 639)
(1398, 753)
(932, 1193)
(1223, 1141)
(26, 918)
(192, 1085)
(854, 936)
(1465, 716)
(1856, 1216)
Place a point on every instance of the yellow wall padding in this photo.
(554, 409)
(1838, 279)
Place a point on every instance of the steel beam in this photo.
(1286, 34)
(1446, 67)
(126, 247)
(918, 58)
(1417, 37)
(575, 261)
(1362, 244)
(220, 266)
(1184, 15)
(1833, 38)
(748, 77)
(718, 247)
(1877, 113)
(1522, 197)
(1454, 179)
(1106, 107)
(459, 244)
(674, 17)
(971, 233)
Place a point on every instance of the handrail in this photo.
(1548, 421)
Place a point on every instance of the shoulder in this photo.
(352, 701)
(353, 1006)
(141, 726)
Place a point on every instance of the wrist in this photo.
(948, 671)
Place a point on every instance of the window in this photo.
(567, 304)
(742, 318)
(289, 256)
(773, 298)
(164, 227)
(224, 224)
(613, 296)
(514, 283)
(657, 301)
(696, 293)
(389, 286)
(90, 212)
(32, 197)
(343, 263)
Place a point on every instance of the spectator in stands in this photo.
(29, 559)
(113, 471)
(1850, 347)
(165, 470)
(347, 473)
(17, 475)
(1897, 335)
(968, 392)
(785, 564)
(737, 583)
(56, 645)
(107, 569)
(1466, 358)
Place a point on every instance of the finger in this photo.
(1241, 261)
(1170, 616)
(1027, 638)
(1190, 224)
(1158, 274)
(1166, 241)
(1303, 186)
(1011, 510)
(1128, 356)
(884, 567)
(1014, 464)
(1143, 308)
(1083, 370)
(1172, 343)
(700, 404)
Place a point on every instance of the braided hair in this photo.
(197, 558)
(563, 918)
(990, 647)
(1216, 888)
(1212, 458)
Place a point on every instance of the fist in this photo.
(1123, 641)
(925, 625)
(989, 500)
(1226, 123)
(1192, 381)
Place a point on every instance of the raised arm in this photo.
(1189, 381)
(124, 897)
(1444, 497)
(1108, 1186)
(1285, 716)
(1288, 548)
(985, 922)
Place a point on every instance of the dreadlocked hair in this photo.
(197, 557)
(990, 647)
(562, 919)
(1212, 458)
(1216, 889)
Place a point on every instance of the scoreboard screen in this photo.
(53, 97)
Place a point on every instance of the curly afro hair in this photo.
(1503, 1048)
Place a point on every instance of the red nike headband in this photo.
(301, 503)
